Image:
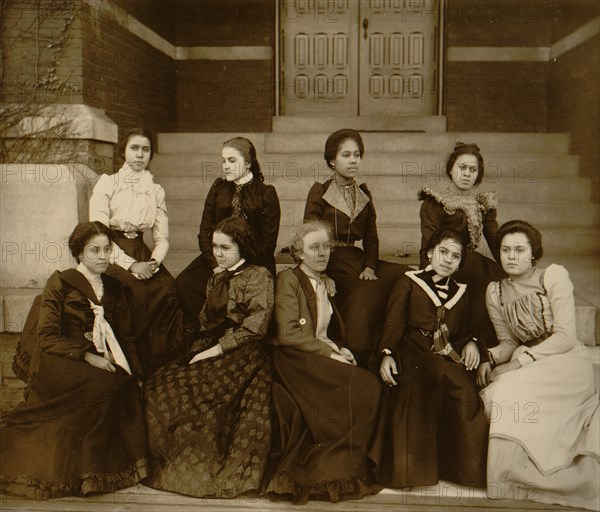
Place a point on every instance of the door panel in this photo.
(320, 57)
(359, 57)
(398, 57)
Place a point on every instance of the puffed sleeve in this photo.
(207, 225)
(160, 229)
(269, 226)
(564, 332)
(49, 334)
(432, 217)
(313, 210)
(290, 332)
(257, 310)
(99, 208)
(508, 343)
(370, 236)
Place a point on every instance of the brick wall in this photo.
(131, 80)
(230, 95)
(574, 105)
(41, 58)
(496, 96)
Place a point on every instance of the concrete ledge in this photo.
(81, 122)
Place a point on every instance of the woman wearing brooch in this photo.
(363, 280)
(472, 215)
(325, 405)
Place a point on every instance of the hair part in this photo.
(466, 149)
(296, 245)
(238, 229)
(83, 233)
(248, 151)
(336, 139)
(132, 133)
(534, 236)
(449, 234)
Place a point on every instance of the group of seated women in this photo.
(326, 381)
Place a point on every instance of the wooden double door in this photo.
(359, 57)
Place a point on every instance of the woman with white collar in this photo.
(435, 427)
(242, 192)
(129, 202)
(326, 406)
(81, 427)
(209, 413)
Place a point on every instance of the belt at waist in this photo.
(127, 234)
(349, 243)
(536, 341)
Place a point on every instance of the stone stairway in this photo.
(534, 175)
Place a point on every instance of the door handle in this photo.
(365, 25)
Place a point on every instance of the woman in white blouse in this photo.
(540, 396)
(129, 202)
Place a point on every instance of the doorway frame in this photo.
(440, 70)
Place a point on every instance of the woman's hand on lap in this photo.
(368, 274)
(387, 370)
(483, 374)
(340, 358)
(470, 356)
(99, 362)
(348, 355)
(503, 368)
(143, 269)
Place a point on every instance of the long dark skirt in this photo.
(362, 303)
(477, 272)
(435, 427)
(326, 413)
(156, 317)
(81, 430)
(209, 424)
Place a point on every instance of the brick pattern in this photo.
(574, 105)
(224, 96)
(496, 96)
(224, 23)
(132, 81)
(499, 23)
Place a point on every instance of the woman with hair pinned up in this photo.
(209, 413)
(129, 202)
(473, 215)
(242, 192)
(363, 281)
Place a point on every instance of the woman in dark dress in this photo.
(435, 427)
(81, 428)
(362, 280)
(208, 413)
(472, 215)
(241, 192)
(129, 202)
(325, 405)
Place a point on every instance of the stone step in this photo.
(297, 124)
(406, 239)
(402, 188)
(391, 211)
(527, 168)
(314, 142)
(442, 143)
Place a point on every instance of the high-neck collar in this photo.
(233, 268)
(343, 182)
(246, 178)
